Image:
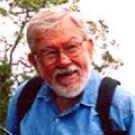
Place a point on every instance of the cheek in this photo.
(46, 72)
(82, 62)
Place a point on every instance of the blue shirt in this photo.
(82, 119)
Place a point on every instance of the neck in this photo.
(65, 103)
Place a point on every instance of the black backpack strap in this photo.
(27, 96)
(106, 91)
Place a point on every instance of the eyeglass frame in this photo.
(5, 131)
(58, 51)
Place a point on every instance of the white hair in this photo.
(49, 19)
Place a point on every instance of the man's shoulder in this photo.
(122, 97)
(18, 91)
(27, 85)
(16, 94)
(123, 94)
(123, 100)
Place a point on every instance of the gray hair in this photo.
(49, 19)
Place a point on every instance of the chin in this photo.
(71, 90)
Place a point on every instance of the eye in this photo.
(71, 48)
(49, 54)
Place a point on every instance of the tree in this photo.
(18, 13)
(104, 60)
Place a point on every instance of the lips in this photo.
(67, 77)
(66, 74)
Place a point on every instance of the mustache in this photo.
(68, 70)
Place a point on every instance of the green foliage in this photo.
(108, 57)
(103, 47)
(5, 88)
(28, 4)
(57, 2)
(35, 5)
(3, 11)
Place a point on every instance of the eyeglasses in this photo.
(5, 131)
(50, 55)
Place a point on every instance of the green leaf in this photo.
(108, 57)
(28, 4)
(3, 11)
(57, 2)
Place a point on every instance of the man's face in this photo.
(63, 59)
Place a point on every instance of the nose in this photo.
(63, 60)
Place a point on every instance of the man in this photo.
(61, 52)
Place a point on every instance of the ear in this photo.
(90, 46)
(33, 61)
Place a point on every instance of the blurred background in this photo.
(119, 16)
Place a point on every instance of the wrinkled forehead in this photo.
(63, 29)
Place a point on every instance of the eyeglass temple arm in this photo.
(5, 131)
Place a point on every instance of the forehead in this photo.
(60, 33)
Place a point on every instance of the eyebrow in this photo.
(72, 39)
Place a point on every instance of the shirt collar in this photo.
(89, 96)
(45, 92)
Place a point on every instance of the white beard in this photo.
(73, 89)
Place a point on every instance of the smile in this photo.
(66, 74)
(67, 78)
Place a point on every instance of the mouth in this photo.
(67, 77)
(66, 74)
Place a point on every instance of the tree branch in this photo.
(19, 37)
